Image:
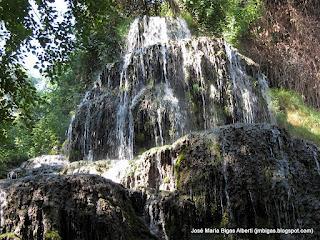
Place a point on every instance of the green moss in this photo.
(181, 157)
(220, 112)
(192, 99)
(214, 209)
(10, 236)
(199, 201)
(166, 180)
(255, 82)
(196, 89)
(151, 82)
(132, 167)
(294, 115)
(227, 111)
(179, 175)
(137, 228)
(221, 53)
(74, 154)
(268, 173)
(142, 150)
(165, 10)
(140, 138)
(215, 149)
(224, 220)
(52, 235)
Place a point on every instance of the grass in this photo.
(294, 115)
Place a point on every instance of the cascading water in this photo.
(243, 87)
(166, 85)
(3, 204)
(155, 32)
(315, 157)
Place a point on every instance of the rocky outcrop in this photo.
(238, 176)
(40, 165)
(166, 85)
(72, 207)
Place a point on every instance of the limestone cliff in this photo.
(243, 175)
(166, 85)
(181, 126)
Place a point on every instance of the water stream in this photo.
(166, 84)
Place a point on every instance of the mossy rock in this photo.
(52, 235)
(9, 236)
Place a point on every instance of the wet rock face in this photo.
(166, 85)
(239, 176)
(93, 128)
(78, 207)
(45, 164)
(242, 175)
(170, 216)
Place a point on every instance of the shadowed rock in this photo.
(238, 176)
(82, 207)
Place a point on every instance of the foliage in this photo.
(94, 29)
(52, 235)
(91, 27)
(21, 25)
(70, 49)
(239, 16)
(293, 114)
(73, 49)
(209, 14)
(45, 131)
(285, 42)
(17, 94)
(14, 147)
(228, 18)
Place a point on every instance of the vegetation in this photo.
(9, 236)
(35, 122)
(293, 114)
(44, 132)
(181, 157)
(52, 235)
(285, 42)
(72, 48)
(230, 19)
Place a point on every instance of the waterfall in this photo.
(167, 84)
(315, 157)
(3, 204)
(155, 31)
(159, 118)
(116, 170)
(243, 87)
(158, 162)
(225, 179)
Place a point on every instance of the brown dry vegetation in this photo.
(286, 42)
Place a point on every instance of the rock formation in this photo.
(235, 176)
(72, 207)
(250, 176)
(181, 126)
(166, 85)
